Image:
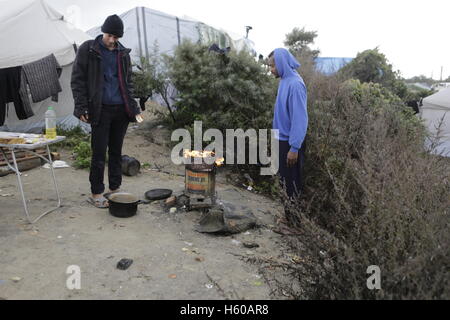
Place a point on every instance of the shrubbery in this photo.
(79, 142)
(74, 137)
(372, 66)
(373, 195)
(224, 91)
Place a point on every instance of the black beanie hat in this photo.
(113, 25)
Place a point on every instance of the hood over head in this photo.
(285, 63)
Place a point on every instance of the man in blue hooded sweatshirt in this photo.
(291, 121)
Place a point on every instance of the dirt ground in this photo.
(171, 260)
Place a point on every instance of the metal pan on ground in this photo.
(123, 205)
(158, 194)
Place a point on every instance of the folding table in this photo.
(34, 141)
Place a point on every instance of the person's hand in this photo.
(139, 118)
(292, 159)
(84, 118)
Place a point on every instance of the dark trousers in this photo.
(109, 133)
(291, 178)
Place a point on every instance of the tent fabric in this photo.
(50, 35)
(31, 30)
(436, 109)
(147, 29)
(439, 100)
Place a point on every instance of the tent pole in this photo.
(145, 33)
(178, 31)
(139, 32)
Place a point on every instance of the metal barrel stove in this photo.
(200, 183)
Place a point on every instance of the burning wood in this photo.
(204, 155)
(220, 161)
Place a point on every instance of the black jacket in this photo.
(87, 81)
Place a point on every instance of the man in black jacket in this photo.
(103, 94)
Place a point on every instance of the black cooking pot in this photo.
(130, 166)
(123, 205)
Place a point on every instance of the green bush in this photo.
(372, 66)
(373, 196)
(83, 154)
(224, 91)
(73, 136)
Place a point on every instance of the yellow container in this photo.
(50, 133)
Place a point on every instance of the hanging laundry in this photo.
(42, 77)
(24, 93)
(217, 49)
(12, 88)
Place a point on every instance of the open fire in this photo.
(203, 154)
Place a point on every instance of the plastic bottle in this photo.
(50, 123)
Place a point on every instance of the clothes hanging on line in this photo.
(214, 47)
(13, 89)
(42, 77)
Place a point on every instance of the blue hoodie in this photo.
(291, 115)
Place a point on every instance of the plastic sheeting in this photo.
(30, 30)
(329, 66)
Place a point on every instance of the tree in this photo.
(373, 66)
(224, 91)
(152, 78)
(299, 40)
(421, 79)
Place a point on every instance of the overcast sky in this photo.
(411, 33)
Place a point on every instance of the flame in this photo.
(203, 154)
(198, 154)
(220, 161)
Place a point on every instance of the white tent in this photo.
(144, 27)
(436, 108)
(29, 31)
